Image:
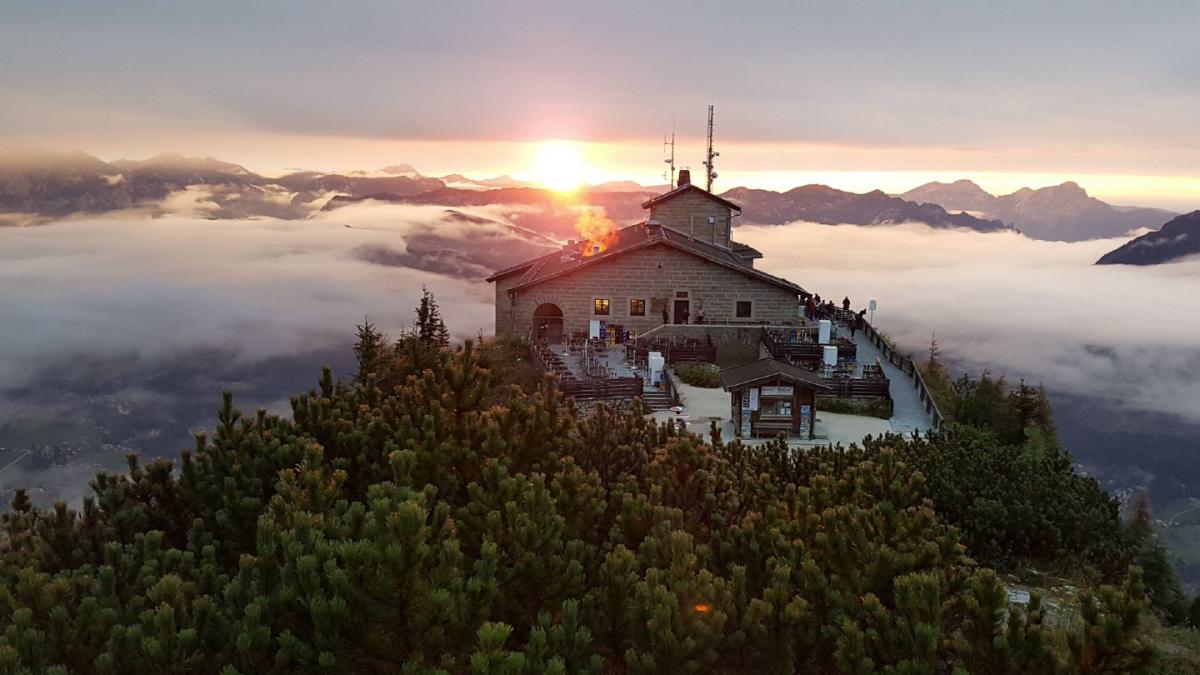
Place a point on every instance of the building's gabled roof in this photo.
(513, 269)
(687, 188)
(767, 368)
(626, 240)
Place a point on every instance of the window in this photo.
(637, 307)
(600, 307)
(744, 309)
(777, 407)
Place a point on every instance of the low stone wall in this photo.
(735, 343)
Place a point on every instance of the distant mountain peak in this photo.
(961, 195)
(50, 160)
(1063, 212)
(1067, 188)
(176, 161)
(402, 169)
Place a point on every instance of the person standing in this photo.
(846, 304)
(700, 314)
(666, 316)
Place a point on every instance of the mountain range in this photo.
(1058, 213)
(47, 186)
(823, 204)
(1177, 239)
(37, 188)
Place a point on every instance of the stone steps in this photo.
(657, 400)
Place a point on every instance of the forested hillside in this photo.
(446, 513)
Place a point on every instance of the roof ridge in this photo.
(684, 188)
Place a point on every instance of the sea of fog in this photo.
(118, 334)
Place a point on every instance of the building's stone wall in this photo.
(653, 273)
(689, 213)
(504, 306)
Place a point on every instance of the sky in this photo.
(858, 95)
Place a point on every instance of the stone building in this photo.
(679, 266)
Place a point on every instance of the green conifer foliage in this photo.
(369, 349)
(424, 528)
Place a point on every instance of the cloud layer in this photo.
(1033, 309)
(118, 333)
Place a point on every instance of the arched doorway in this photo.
(548, 323)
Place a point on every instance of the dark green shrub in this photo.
(704, 375)
(430, 529)
(881, 408)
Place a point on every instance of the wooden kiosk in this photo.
(770, 397)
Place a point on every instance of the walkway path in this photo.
(908, 412)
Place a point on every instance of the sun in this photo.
(560, 165)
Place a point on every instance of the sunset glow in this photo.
(560, 165)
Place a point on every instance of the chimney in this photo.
(685, 178)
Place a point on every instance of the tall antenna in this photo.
(669, 147)
(708, 158)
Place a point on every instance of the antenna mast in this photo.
(670, 160)
(708, 158)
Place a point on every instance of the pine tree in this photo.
(369, 349)
(429, 326)
(1030, 408)
(1151, 555)
(1141, 521)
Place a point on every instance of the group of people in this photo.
(815, 309)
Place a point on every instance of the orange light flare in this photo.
(702, 608)
(597, 230)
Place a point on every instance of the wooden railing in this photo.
(805, 353)
(873, 386)
(598, 389)
(668, 379)
(584, 389)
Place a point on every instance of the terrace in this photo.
(868, 371)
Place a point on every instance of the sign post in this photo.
(871, 306)
(745, 416)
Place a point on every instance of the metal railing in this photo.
(909, 367)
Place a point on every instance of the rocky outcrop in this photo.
(1177, 239)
